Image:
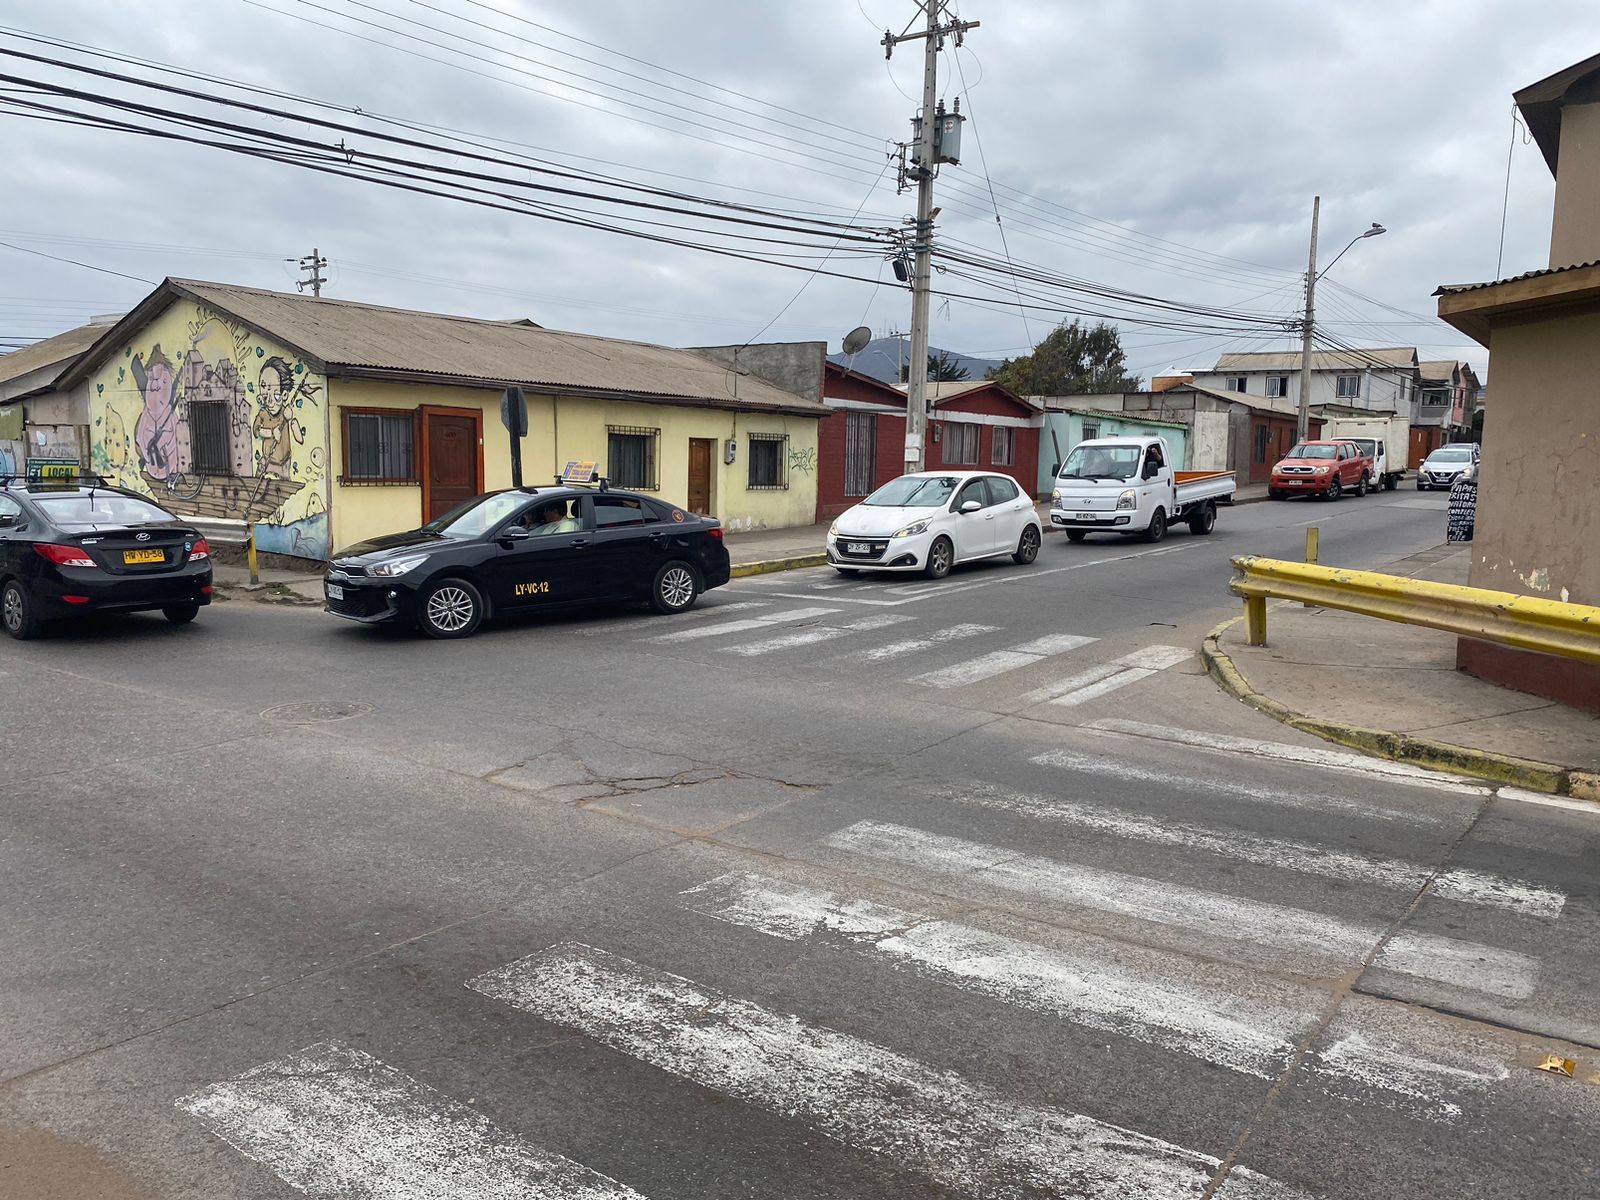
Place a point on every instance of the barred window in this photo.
(631, 456)
(961, 444)
(379, 445)
(1004, 442)
(769, 460)
(210, 450)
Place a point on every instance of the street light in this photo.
(1303, 426)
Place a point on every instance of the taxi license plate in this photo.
(131, 557)
(335, 592)
(858, 547)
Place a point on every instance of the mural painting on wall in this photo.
(211, 419)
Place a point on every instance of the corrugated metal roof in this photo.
(1451, 289)
(350, 338)
(944, 391)
(1280, 405)
(64, 347)
(1441, 368)
(1321, 360)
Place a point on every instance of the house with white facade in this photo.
(1382, 380)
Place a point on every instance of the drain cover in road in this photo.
(316, 712)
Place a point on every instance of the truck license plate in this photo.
(1084, 517)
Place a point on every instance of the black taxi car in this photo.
(525, 549)
(72, 546)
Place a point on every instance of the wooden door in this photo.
(1421, 445)
(700, 451)
(452, 459)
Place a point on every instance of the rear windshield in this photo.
(1313, 450)
(87, 510)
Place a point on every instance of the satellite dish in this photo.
(856, 340)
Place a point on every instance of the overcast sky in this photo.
(1165, 147)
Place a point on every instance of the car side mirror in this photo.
(1055, 469)
(511, 534)
(7, 520)
(970, 506)
(1151, 470)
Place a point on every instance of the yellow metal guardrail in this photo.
(1526, 622)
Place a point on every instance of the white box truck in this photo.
(1386, 439)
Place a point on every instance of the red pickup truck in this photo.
(1327, 469)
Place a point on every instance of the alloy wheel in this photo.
(450, 609)
(13, 609)
(677, 587)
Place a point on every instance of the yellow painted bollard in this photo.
(1255, 620)
(250, 553)
(1312, 539)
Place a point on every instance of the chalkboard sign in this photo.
(1463, 510)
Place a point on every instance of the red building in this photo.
(972, 426)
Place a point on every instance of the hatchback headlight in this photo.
(397, 566)
(1127, 500)
(911, 530)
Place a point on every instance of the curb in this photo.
(1503, 769)
(767, 566)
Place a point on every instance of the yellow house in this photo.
(326, 422)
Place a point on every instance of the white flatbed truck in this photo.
(1126, 485)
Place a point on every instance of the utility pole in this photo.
(314, 262)
(1303, 428)
(928, 155)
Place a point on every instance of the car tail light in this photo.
(206, 591)
(76, 599)
(716, 532)
(64, 556)
(200, 549)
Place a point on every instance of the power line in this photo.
(76, 263)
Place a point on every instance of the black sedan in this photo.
(526, 549)
(77, 547)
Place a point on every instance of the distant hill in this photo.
(883, 356)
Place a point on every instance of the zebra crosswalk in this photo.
(1032, 914)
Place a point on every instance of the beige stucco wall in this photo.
(1575, 229)
(561, 429)
(1537, 520)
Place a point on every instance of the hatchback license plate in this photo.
(132, 557)
(335, 592)
(858, 547)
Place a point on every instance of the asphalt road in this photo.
(828, 888)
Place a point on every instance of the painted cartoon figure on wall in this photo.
(212, 436)
(275, 424)
(156, 431)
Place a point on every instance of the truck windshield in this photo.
(1092, 461)
(1313, 450)
(914, 491)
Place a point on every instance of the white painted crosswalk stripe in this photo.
(1121, 769)
(962, 1134)
(998, 662)
(744, 625)
(634, 624)
(1428, 956)
(1462, 884)
(820, 633)
(1093, 989)
(1338, 760)
(1109, 677)
(927, 641)
(336, 1123)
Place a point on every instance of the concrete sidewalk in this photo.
(1393, 690)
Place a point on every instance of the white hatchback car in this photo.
(930, 521)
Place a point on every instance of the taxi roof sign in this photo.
(579, 472)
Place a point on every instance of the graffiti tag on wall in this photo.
(211, 419)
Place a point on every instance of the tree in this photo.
(1070, 361)
(944, 369)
